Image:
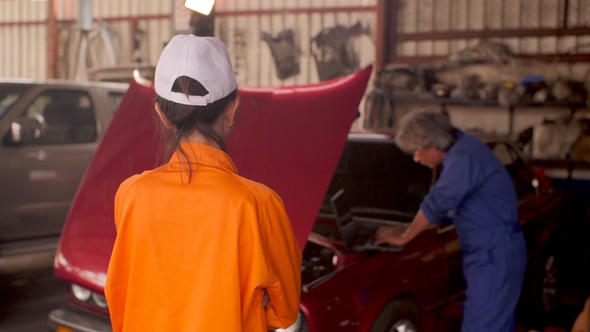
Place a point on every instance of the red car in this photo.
(296, 153)
(419, 287)
(280, 136)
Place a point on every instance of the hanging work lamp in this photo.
(200, 6)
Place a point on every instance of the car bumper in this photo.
(75, 319)
(28, 255)
(70, 318)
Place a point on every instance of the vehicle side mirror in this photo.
(26, 129)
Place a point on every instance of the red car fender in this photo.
(374, 308)
(341, 300)
(351, 298)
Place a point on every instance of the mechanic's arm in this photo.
(399, 236)
(447, 193)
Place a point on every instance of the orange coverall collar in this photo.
(202, 154)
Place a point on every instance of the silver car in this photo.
(49, 131)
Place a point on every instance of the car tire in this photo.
(400, 315)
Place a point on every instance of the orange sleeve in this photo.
(284, 262)
(120, 198)
(115, 292)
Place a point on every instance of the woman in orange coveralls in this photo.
(198, 247)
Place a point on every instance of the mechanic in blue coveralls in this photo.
(476, 193)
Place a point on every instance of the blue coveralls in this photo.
(477, 193)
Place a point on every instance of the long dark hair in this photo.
(186, 118)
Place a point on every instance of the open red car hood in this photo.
(289, 138)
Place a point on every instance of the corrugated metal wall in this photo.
(291, 28)
(123, 25)
(337, 35)
(23, 38)
(421, 25)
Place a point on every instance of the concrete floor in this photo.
(27, 298)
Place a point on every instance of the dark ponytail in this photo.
(187, 119)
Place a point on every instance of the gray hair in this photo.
(423, 129)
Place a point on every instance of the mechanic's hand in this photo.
(392, 235)
(265, 299)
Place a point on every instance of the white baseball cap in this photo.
(204, 59)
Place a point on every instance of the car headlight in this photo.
(89, 297)
(81, 293)
(100, 300)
